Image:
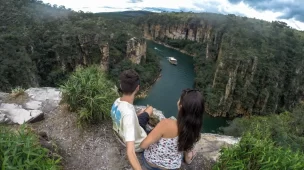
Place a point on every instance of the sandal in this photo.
(193, 156)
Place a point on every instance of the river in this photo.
(165, 93)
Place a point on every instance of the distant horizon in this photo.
(288, 11)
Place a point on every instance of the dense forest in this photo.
(247, 68)
(244, 66)
(41, 44)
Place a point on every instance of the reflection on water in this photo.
(166, 91)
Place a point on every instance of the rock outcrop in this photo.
(40, 101)
(105, 57)
(178, 32)
(90, 46)
(136, 50)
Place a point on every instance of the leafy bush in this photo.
(257, 151)
(89, 92)
(21, 150)
(285, 129)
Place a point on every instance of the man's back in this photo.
(125, 123)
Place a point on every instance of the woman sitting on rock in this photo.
(171, 140)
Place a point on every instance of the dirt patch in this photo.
(18, 98)
(93, 148)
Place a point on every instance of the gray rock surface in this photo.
(44, 93)
(4, 118)
(211, 144)
(46, 99)
(33, 105)
(17, 114)
(41, 101)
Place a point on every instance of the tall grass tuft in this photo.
(90, 94)
(21, 150)
(15, 92)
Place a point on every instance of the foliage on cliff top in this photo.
(244, 66)
(148, 71)
(89, 94)
(257, 151)
(41, 44)
(285, 129)
(21, 150)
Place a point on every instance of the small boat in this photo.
(172, 60)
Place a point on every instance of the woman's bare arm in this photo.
(154, 135)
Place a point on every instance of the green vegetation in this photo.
(17, 92)
(268, 142)
(285, 129)
(41, 44)
(21, 150)
(244, 66)
(257, 151)
(148, 71)
(90, 94)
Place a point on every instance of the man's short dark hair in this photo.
(129, 80)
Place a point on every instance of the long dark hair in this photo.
(190, 119)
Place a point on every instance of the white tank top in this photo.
(164, 153)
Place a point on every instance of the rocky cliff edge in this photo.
(95, 147)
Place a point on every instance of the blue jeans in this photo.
(147, 165)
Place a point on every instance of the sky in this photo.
(289, 11)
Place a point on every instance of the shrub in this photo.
(21, 150)
(285, 129)
(258, 152)
(90, 94)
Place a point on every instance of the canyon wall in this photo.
(243, 66)
(85, 50)
(93, 49)
(136, 50)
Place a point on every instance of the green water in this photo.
(166, 91)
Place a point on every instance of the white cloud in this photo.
(216, 6)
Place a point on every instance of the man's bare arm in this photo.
(132, 156)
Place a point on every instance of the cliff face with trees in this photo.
(41, 44)
(244, 66)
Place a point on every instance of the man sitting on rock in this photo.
(129, 125)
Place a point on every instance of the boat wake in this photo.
(156, 49)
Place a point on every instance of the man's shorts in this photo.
(143, 120)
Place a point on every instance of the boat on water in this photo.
(172, 60)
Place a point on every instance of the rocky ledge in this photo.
(35, 103)
(82, 150)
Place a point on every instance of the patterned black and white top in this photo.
(164, 153)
